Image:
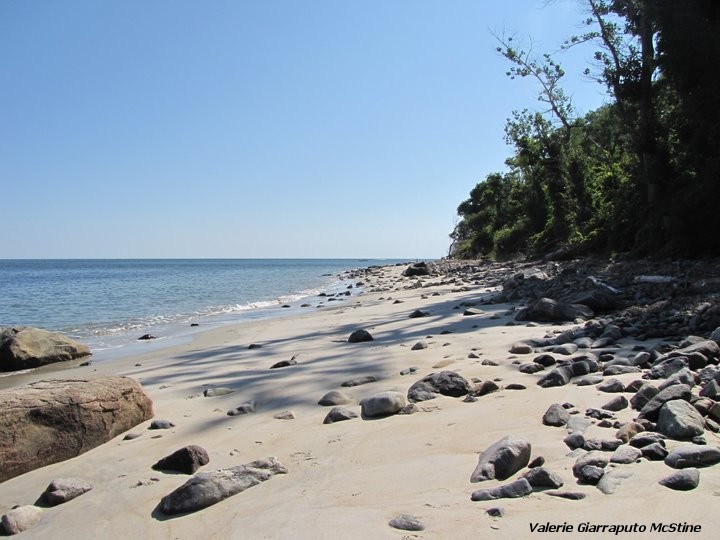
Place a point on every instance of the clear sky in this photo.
(268, 128)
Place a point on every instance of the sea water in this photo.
(108, 304)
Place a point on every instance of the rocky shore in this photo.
(455, 399)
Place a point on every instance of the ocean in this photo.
(108, 304)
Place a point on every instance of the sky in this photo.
(274, 128)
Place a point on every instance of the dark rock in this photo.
(333, 398)
(626, 454)
(589, 468)
(417, 269)
(382, 404)
(611, 386)
(246, 408)
(566, 349)
(545, 360)
(472, 311)
(570, 495)
(486, 387)
(418, 313)
(284, 363)
(495, 511)
(618, 403)
(359, 336)
(359, 381)
(598, 414)
(680, 420)
(255, 345)
(559, 376)
(161, 424)
(339, 414)
(62, 490)
(556, 415)
(420, 345)
(548, 310)
(667, 367)
(146, 337)
(644, 394)
(447, 383)
(51, 421)
(683, 480)
(519, 488)
(654, 452)
(408, 371)
(502, 459)
(186, 460)
(537, 462)
(515, 386)
(540, 477)
(219, 391)
(206, 489)
(406, 522)
(574, 440)
(520, 348)
(27, 347)
(651, 410)
(693, 455)
(529, 368)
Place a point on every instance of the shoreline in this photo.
(351, 478)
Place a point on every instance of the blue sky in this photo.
(278, 128)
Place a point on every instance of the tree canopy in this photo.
(640, 174)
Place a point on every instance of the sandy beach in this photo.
(349, 479)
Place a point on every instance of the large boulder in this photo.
(27, 347)
(549, 310)
(503, 459)
(447, 383)
(51, 421)
(206, 489)
(382, 404)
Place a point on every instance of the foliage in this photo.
(640, 174)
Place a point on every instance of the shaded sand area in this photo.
(349, 479)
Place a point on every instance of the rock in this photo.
(589, 468)
(382, 404)
(540, 477)
(529, 368)
(667, 367)
(161, 424)
(418, 313)
(519, 488)
(711, 390)
(680, 420)
(406, 522)
(545, 360)
(548, 310)
(644, 394)
(246, 408)
(520, 348)
(684, 376)
(611, 480)
(625, 455)
(618, 403)
(51, 421)
(570, 495)
(186, 460)
(654, 452)
(447, 383)
(611, 386)
(333, 398)
(566, 349)
(651, 410)
(495, 511)
(21, 519)
(27, 347)
(420, 345)
(206, 489)
(693, 455)
(146, 337)
(683, 480)
(502, 459)
(574, 440)
(556, 415)
(359, 336)
(559, 376)
(284, 415)
(628, 431)
(486, 387)
(284, 363)
(359, 381)
(219, 391)
(339, 414)
(417, 269)
(62, 490)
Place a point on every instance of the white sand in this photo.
(348, 479)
